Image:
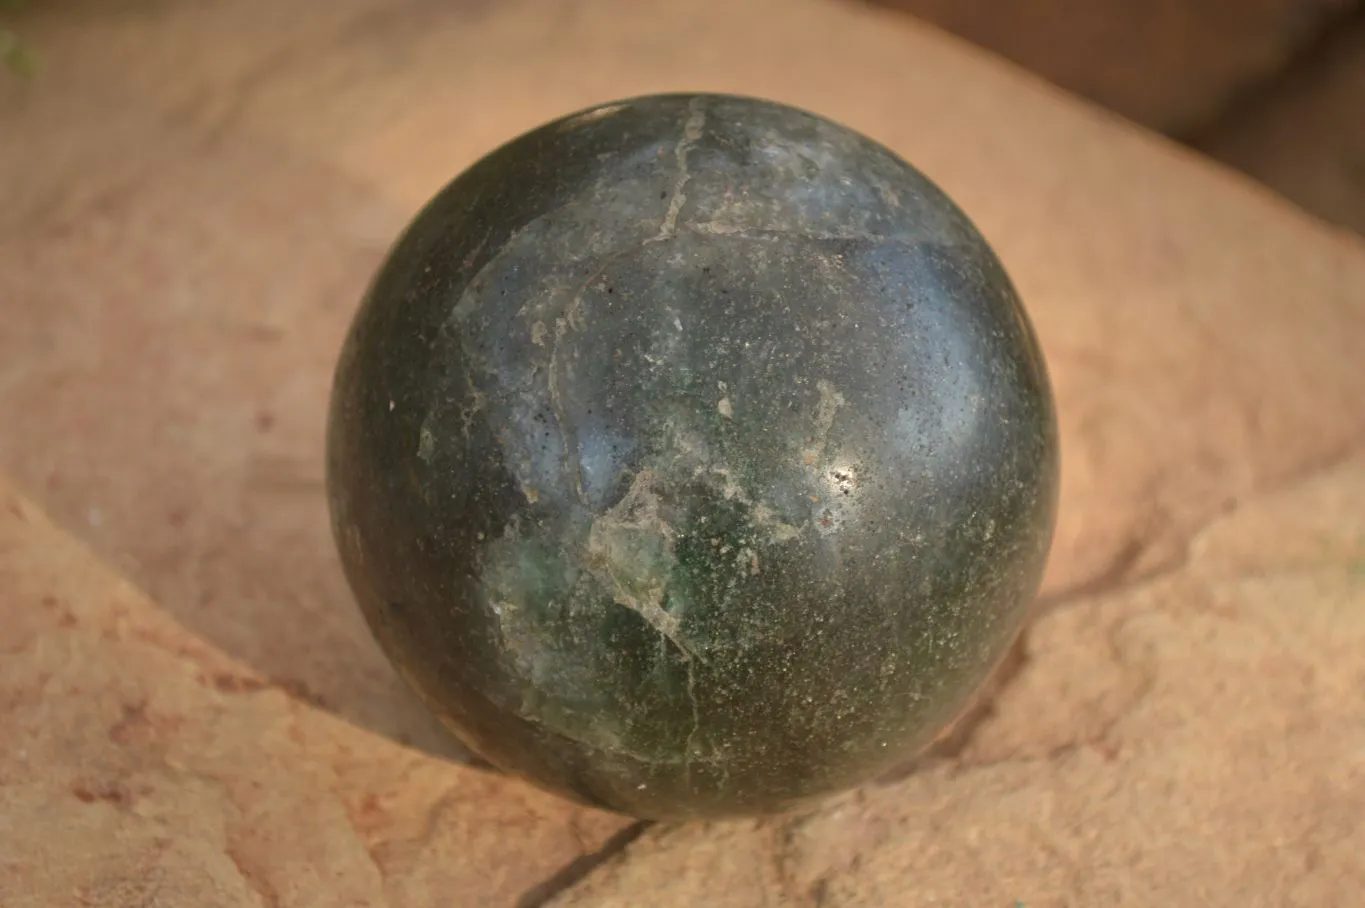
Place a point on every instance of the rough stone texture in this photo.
(202, 190)
(1169, 64)
(693, 456)
(1110, 776)
(1305, 134)
(204, 223)
(142, 767)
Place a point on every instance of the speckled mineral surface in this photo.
(691, 456)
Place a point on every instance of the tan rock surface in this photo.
(141, 767)
(202, 190)
(1198, 739)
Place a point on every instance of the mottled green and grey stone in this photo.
(693, 456)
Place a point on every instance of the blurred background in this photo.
(1274, 88)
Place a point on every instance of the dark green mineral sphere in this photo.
(693, 456)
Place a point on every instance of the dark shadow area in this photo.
(577, 870)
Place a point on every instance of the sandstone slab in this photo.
(142, 767)
(197, 218)
(201, 193)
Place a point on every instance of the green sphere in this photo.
(692, 456)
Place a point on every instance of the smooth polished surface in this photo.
(693, 455)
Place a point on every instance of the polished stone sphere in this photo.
(693, 456)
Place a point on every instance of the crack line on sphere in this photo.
(689, 747)
(696, 119)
